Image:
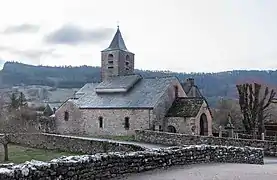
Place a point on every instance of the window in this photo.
(127, 69)
(127, 123)
(110, 57)
(160, 128)
(110, 67)
(127, 58)
(176, 91)
(100, 122)
(110, 61)
(66, 116)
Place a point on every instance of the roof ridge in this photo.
(160, 77)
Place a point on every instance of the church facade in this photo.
(124, 101)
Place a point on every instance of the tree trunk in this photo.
(6, 155)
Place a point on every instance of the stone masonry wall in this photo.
(86, 121)
(114, 120)
(70, 143)
(74, 124)
(106, 166)
(270, 147)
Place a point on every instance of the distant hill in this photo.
(212, 85)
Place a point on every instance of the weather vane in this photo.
(117, 22)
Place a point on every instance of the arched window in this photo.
(171, 129)
(110, 59)
(100, 119)
(127, 60)
(66, 116)
(127, 123)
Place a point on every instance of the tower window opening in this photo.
(100, 119)
(66, 116)
(110, 57)
(127, 123)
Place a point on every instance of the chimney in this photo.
(190, 81)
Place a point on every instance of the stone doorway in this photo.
(171, 129)
(203, 125)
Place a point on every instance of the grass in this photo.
(19, 154)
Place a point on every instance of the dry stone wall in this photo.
(109, 165)
(70, 143)
(270, 147)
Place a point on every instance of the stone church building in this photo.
(124, 101)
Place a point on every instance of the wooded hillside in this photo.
(212, 85)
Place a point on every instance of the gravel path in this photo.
(213, 172)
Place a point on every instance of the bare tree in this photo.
(253, 107)
(263, 112)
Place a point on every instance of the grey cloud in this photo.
(22, 28)
(34, 55)
(73, 35)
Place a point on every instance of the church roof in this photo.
(85, 89)
(185, 107)
(117, 42)
(118, 84)
(144, 94)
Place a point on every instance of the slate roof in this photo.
(85, 89)
(118, 84)
(144, 94)
(117, 42)
(185, 107)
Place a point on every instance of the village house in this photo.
(124, 101)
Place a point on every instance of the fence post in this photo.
(263, 136)
(220, 131)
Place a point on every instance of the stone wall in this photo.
(114, 120)
(270, 147)
(70, 143)
(86, 121)
(106, 166)
(74, 124)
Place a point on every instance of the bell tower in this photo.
(116, 60)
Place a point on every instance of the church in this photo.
(124, 101)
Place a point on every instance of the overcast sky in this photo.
(175, 35)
